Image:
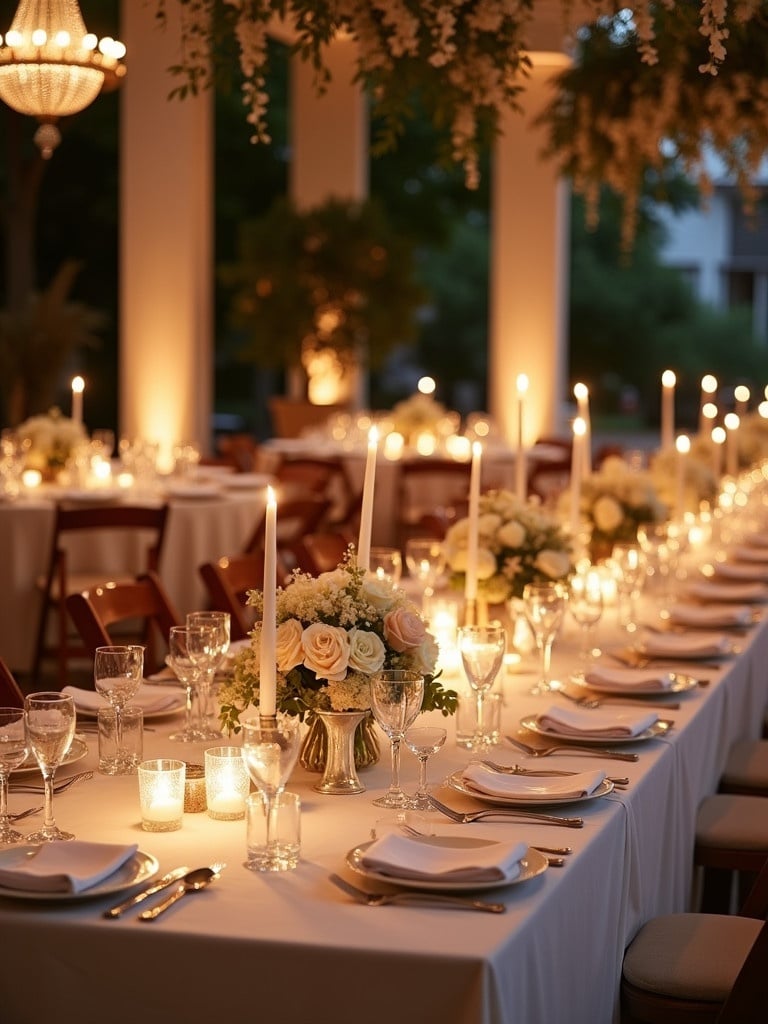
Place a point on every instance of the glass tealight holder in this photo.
(161, 794)
(194, 789)
(227, 783)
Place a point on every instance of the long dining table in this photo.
(291, 947)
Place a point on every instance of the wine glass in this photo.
(396, 697)
(386, 564)
(13, 750)
(425, 558)
(187, 672)
(423, 741)
(50, 720)
(207, 650)
(585, 603)
(630, 566)
(543, 607)
(482, 654)
(270, 748)
(117, 674)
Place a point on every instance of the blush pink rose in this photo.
(403, 629)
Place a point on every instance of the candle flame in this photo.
(78, 385)
(731, 421)
(579, 426)
(718, 435)
(683, 444)
(709, 384)
(668, 379)
(580, 391)
(373, 436)
(271, 497)
(522, 383)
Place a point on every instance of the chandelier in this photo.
(51, 66)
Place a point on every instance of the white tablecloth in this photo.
(198, 530)
(292, 948)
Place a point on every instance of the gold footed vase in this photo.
(337, 744)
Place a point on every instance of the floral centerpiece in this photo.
(616, 500)
(699, 481)
(333, 632)
(518, 543)
(418, 414)
(52, 439)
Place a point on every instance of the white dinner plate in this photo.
(680, 684)
(531, 865)
(247, 481)
(660, 728)
(137, 871)
(456, 782)
(76, 752)
(179, 703)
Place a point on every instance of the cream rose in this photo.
(425, 655)
(486, 564)
(403, 629)
(511, 535)
(607, 514)
(554, 564)
(288, 650)
(326, 650)
(366, 651)
(380, 594)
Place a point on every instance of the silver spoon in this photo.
(193, 881)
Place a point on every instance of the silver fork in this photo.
(595, 702)
(506, 814)
(25, 814)
(515, 769)
(60, 787)
(616, 755)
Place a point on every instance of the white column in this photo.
(529, 264)
(166, 332)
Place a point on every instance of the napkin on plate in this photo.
(711, 615)
(597, 722)
(526, 787)
(148, 698)
(757, 540)
(742, 571)
(65, 867)
(684, 645)
(403, 857)
(629, 679)
(709, 590)
(748, 553)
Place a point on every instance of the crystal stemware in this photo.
(270, 749)
(386, 564)
(425, 558)
(630, 567)
(396, 697)
(543, 607)
(585, 603)
(207, 651)
(423, 741)
(13, 751)
(117, 673)
(187, 672)
(50, 720)
(482, 654)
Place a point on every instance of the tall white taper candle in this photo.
(267, 667)
(366, 513)
(470, 577)
(521, 469)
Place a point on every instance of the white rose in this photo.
(511, 535)
(488, 524)
(554, 564)
(607, 514)
(456, 559)
(326, 650)
(288, 649)
(366, 651)
(424, 657)
(377, 592)
(486, 564)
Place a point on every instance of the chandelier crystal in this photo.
(51, 66)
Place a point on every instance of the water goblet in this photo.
(50, 720)
(423, 741)
(585, 603)
(117, 673)
(187, 672)
(207, 650)
(270, 749)
(425, 558)
(482, 654)
(630, 566)
(13, 751)
(543, 607)
(396, 697)
(386, 564)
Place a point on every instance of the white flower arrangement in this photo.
(418, 414)
(333, 632)
(699, 481)
(518, 543)
(52, 439)
(617, 499)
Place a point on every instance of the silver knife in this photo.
(161, 883)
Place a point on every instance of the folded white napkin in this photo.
(748, 553)
(709, 590)
(65, 867)
(527, 787)
(431, 861)
(711, 615)
(757, 540)
(629, 679)
(597, 722)
(684, 645)
(741, 570)
(148, 698)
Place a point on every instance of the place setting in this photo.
(597, 725)
(689, 646)
(632, 684)
(506, 786)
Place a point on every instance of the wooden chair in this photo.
(238, 450)
(110, 522)
(228, 581)
(429, 488)
(292, 417)
(10, 693)
(296, 517)
(548, 478)
(327, 478)
(143, 600)
(731, 840)
(321, 552)
(698, 968)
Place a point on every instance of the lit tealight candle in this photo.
(521, 472)
(31, 478)
(161, 794)
(668, 381)
(78, 386)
